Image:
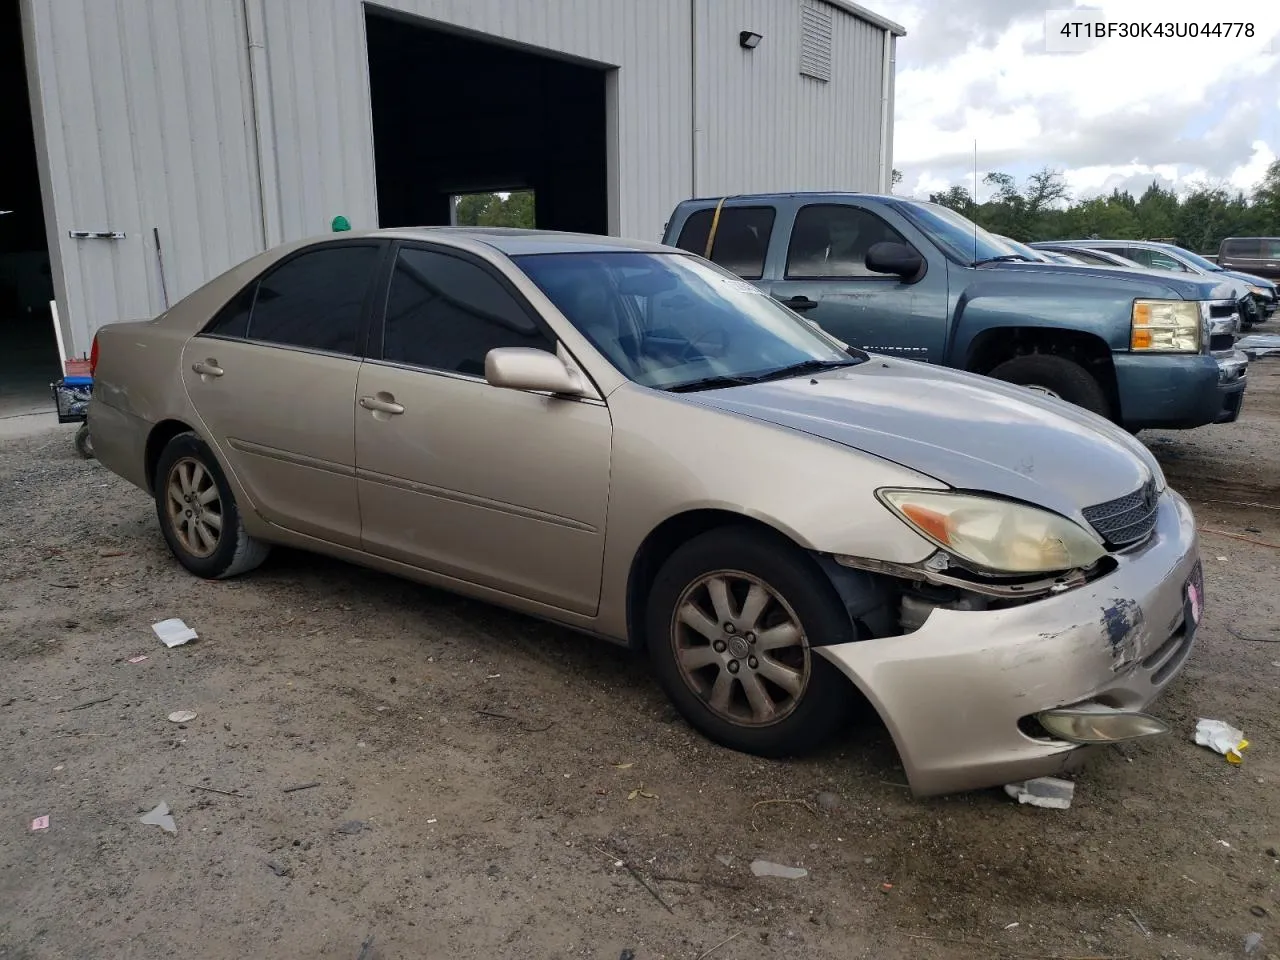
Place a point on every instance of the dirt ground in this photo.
(493, 764)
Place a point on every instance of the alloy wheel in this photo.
(740, 647)
(194, 507)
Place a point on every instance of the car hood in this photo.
(1249, 278)
(1153, 283)
(970, 432)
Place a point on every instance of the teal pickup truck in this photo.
(919, 281)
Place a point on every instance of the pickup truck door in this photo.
(824, 278)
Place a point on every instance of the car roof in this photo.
(802, 194)
(511, 241)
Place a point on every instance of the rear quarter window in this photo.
(741, 240)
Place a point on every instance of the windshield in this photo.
(1193, 258)
(957, 235)
(1021, 248)
(667, 320)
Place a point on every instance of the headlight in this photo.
(1261, 292)
(1166, 326)
(995, 534)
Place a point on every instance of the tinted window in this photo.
(669, 319)
(1243, 248)
(446, 313)
(1088, 257)
(742, 238)
(315, 300)
(832, 241)
(233, 319)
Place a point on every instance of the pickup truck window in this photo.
(830, 241)
(1248, 249)
(742, 238)
(957, 235)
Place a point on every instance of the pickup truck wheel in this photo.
(1057, 377)
(732, 620)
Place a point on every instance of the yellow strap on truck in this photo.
(715, 225)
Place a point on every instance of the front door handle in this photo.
(382, 404)
(207, 368)
(800, 303)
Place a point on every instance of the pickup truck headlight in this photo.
(1166, 326)
(997, 535)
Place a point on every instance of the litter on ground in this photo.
(40, 823)
(173, 632)
(1221, 737)
(160, 817)
(182, 716)
(763, 868)
(1047, 792)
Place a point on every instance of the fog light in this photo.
(1094, 723)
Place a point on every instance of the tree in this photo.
(957, 199)
(895, 177)
(516, 209)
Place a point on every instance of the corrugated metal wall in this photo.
(763, 126)
(144, 111)
(149, 121)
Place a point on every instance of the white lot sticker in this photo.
(742, 286)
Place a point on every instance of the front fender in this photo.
(818, 493)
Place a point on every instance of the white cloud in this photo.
(1123, 112)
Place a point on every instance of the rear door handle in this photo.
(207, 368)
(800, 303)
(379, 405)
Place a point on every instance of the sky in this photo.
(1122, 113)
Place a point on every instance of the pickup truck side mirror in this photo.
(897, 259)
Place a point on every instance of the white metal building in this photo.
(175, 139)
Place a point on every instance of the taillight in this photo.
(93, 356)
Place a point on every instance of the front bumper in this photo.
(1179, 391)
(953, 692)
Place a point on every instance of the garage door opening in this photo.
(455, 115)
(28, 348)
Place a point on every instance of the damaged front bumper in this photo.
(960, 695)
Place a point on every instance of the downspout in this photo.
(886, 76)
(695, 126)
(263, 124)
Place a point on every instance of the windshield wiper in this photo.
(792, 370)
(806, 366)
(1007, 258)
(709, 383)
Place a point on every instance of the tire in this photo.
(83, 442)
(1059, 376)
(800, 593)
(187, 464)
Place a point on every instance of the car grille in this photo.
(1128, 520)
(1221, 309)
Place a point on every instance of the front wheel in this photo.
(1057, 377)
(732, 622)
(198, 513)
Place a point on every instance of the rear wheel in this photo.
(198, 513)
(733, 619)
(1057, 377)
(83, 442)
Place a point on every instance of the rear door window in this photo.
(316, 300)
(741, 240)
(830, 241)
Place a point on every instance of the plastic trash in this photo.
(40, 823)
(1221, 737)
(182, 716)
(173, 632)
(1049, 792)
(1252, 943)
(160, 817)
(763, 868)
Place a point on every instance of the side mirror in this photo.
(524, 368)
(897, 259)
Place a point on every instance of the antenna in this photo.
(975, 198)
